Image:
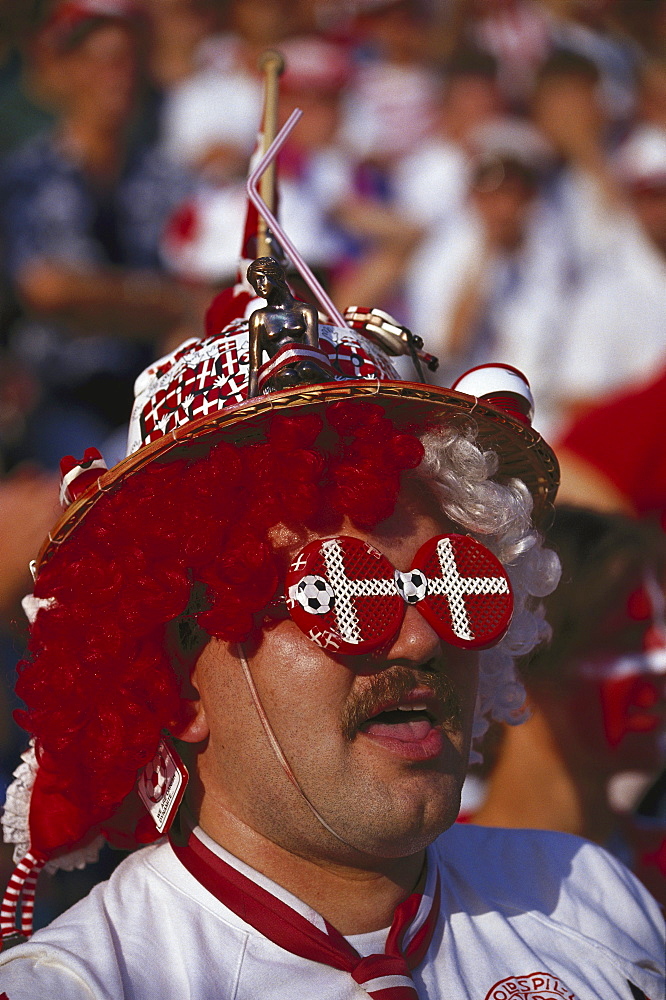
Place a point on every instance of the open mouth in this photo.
(411, 728)
(410, 713)
(407, 723)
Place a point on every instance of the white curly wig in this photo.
(500, 515)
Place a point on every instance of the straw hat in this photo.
(198, 394)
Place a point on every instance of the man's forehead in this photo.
(418, 515)
(417, 508)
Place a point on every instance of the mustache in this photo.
(391, 686)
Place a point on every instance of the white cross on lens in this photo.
(300, 562)
(324, 639)
(455, 587)
(346, 589)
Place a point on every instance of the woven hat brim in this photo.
(521, 451)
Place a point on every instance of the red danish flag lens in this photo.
(468, 601)
(341, 593)
(348, 598)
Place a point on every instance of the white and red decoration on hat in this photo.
(209, 375)
(348, 598)
(384, 330)
(76, 477)
(290, 354)
(502, 386)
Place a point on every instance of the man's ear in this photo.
(185, 642)
(194, 727)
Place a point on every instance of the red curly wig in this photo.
(98, 683)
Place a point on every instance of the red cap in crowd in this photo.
(70, 21)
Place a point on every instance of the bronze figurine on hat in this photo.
(287, 331)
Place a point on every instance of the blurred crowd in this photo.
(490, 172)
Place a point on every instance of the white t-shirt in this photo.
(431, 183)
(525, 298)
(525, 915)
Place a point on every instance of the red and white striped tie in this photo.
(20, 889)
(384, 977)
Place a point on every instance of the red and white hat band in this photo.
(292, 353)
(348, 598)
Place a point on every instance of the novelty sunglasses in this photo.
(347, 597)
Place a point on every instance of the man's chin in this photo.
(403, 845)
(400, 832)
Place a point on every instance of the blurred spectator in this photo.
(567, 110)
(617, 329)
(83, 207)
(641, 164)
(315, 175)
(591, 29)
(651, 101)
(597, 695)
(613, 269)
(210, 120)
(499, 281)
(493, 285)
(176, 33)
(177, 30)
(357, 243)
(521, 35)
(22, 112)
(432, 180)
(392, 105)
(517, 34)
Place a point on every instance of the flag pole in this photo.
(272, 66)
(262, 208)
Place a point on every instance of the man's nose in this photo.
(416, 642)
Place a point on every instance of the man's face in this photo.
(505, 211)
(470, 103)
(101, 72)
(567, 110)
(386, 779)
(609, 713)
